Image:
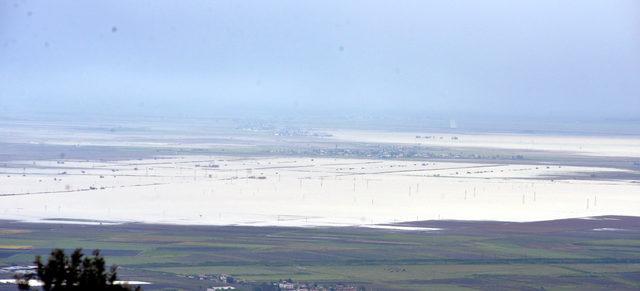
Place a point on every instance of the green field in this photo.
(560, 255)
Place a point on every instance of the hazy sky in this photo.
(543, 58)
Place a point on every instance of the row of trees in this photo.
(73, 273)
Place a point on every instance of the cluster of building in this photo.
(295, 132)
(282, 131)
(383, 152)
(217, 278)
(301, 286)
(435, 137)
(226, 282)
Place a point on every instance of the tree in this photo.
(75, 273)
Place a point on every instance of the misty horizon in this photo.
(547, 60)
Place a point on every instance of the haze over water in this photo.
(572, 60)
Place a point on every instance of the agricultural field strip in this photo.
(168, 165)
(79, 190)
(340, 173)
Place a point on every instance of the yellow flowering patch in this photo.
(13, 231)
(15, 247)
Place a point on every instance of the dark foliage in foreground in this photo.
(74, 273)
